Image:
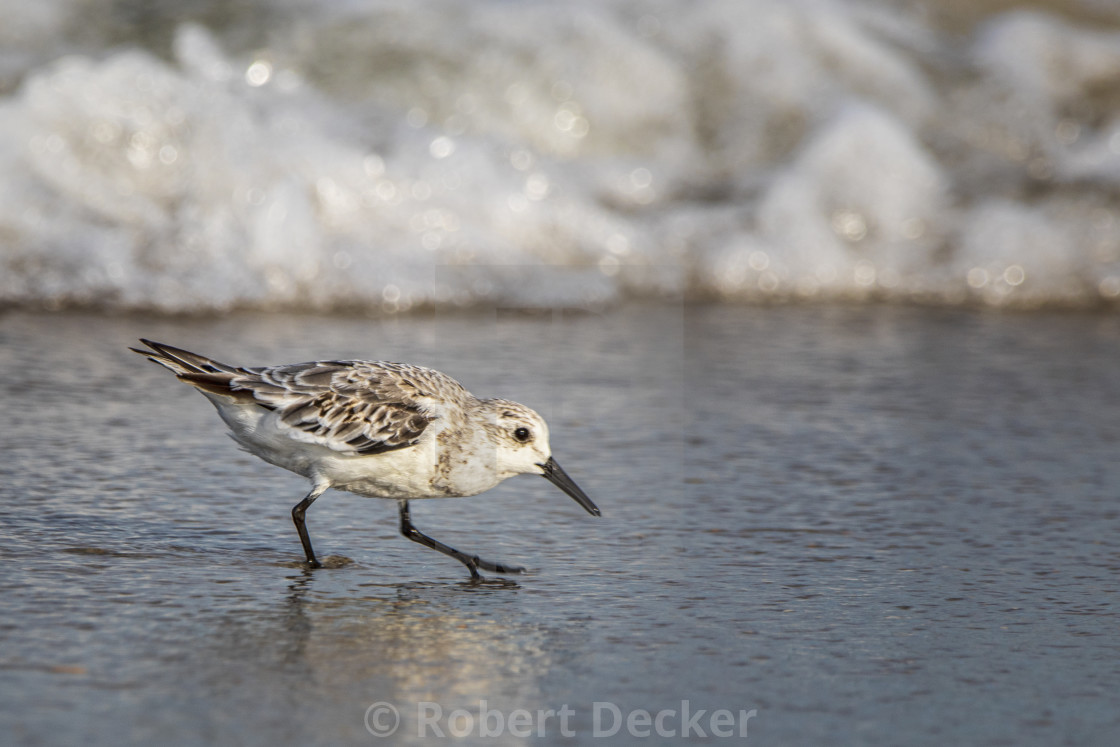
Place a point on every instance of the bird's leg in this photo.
(472, 562)
(301, 527)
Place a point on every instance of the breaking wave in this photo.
(395, 155)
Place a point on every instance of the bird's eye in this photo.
(522, 434)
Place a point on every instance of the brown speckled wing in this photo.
(351, 406)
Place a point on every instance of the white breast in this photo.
(429, 469)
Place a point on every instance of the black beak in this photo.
(560, 479)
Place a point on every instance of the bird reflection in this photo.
(406, 642)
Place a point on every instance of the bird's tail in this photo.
(182, 362)
(205, 374)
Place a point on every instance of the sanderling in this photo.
(383, 430)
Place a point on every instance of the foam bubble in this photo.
(394, 156)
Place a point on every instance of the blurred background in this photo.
(200, 156)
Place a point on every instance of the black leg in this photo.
(301, 527)
(472, 562)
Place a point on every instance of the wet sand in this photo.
(869, 526)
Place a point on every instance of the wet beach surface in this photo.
(872, 525)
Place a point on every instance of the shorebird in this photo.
(376, 429)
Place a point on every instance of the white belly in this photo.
(425, 470)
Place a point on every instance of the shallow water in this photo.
(867, 525)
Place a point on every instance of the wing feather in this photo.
(355, 407)
(334, 421)
(352, 407)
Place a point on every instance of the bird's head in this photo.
(522, 447)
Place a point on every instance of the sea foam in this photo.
(389, 156)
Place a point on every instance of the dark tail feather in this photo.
(182, 361)
(218, 383)
(197, 370)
